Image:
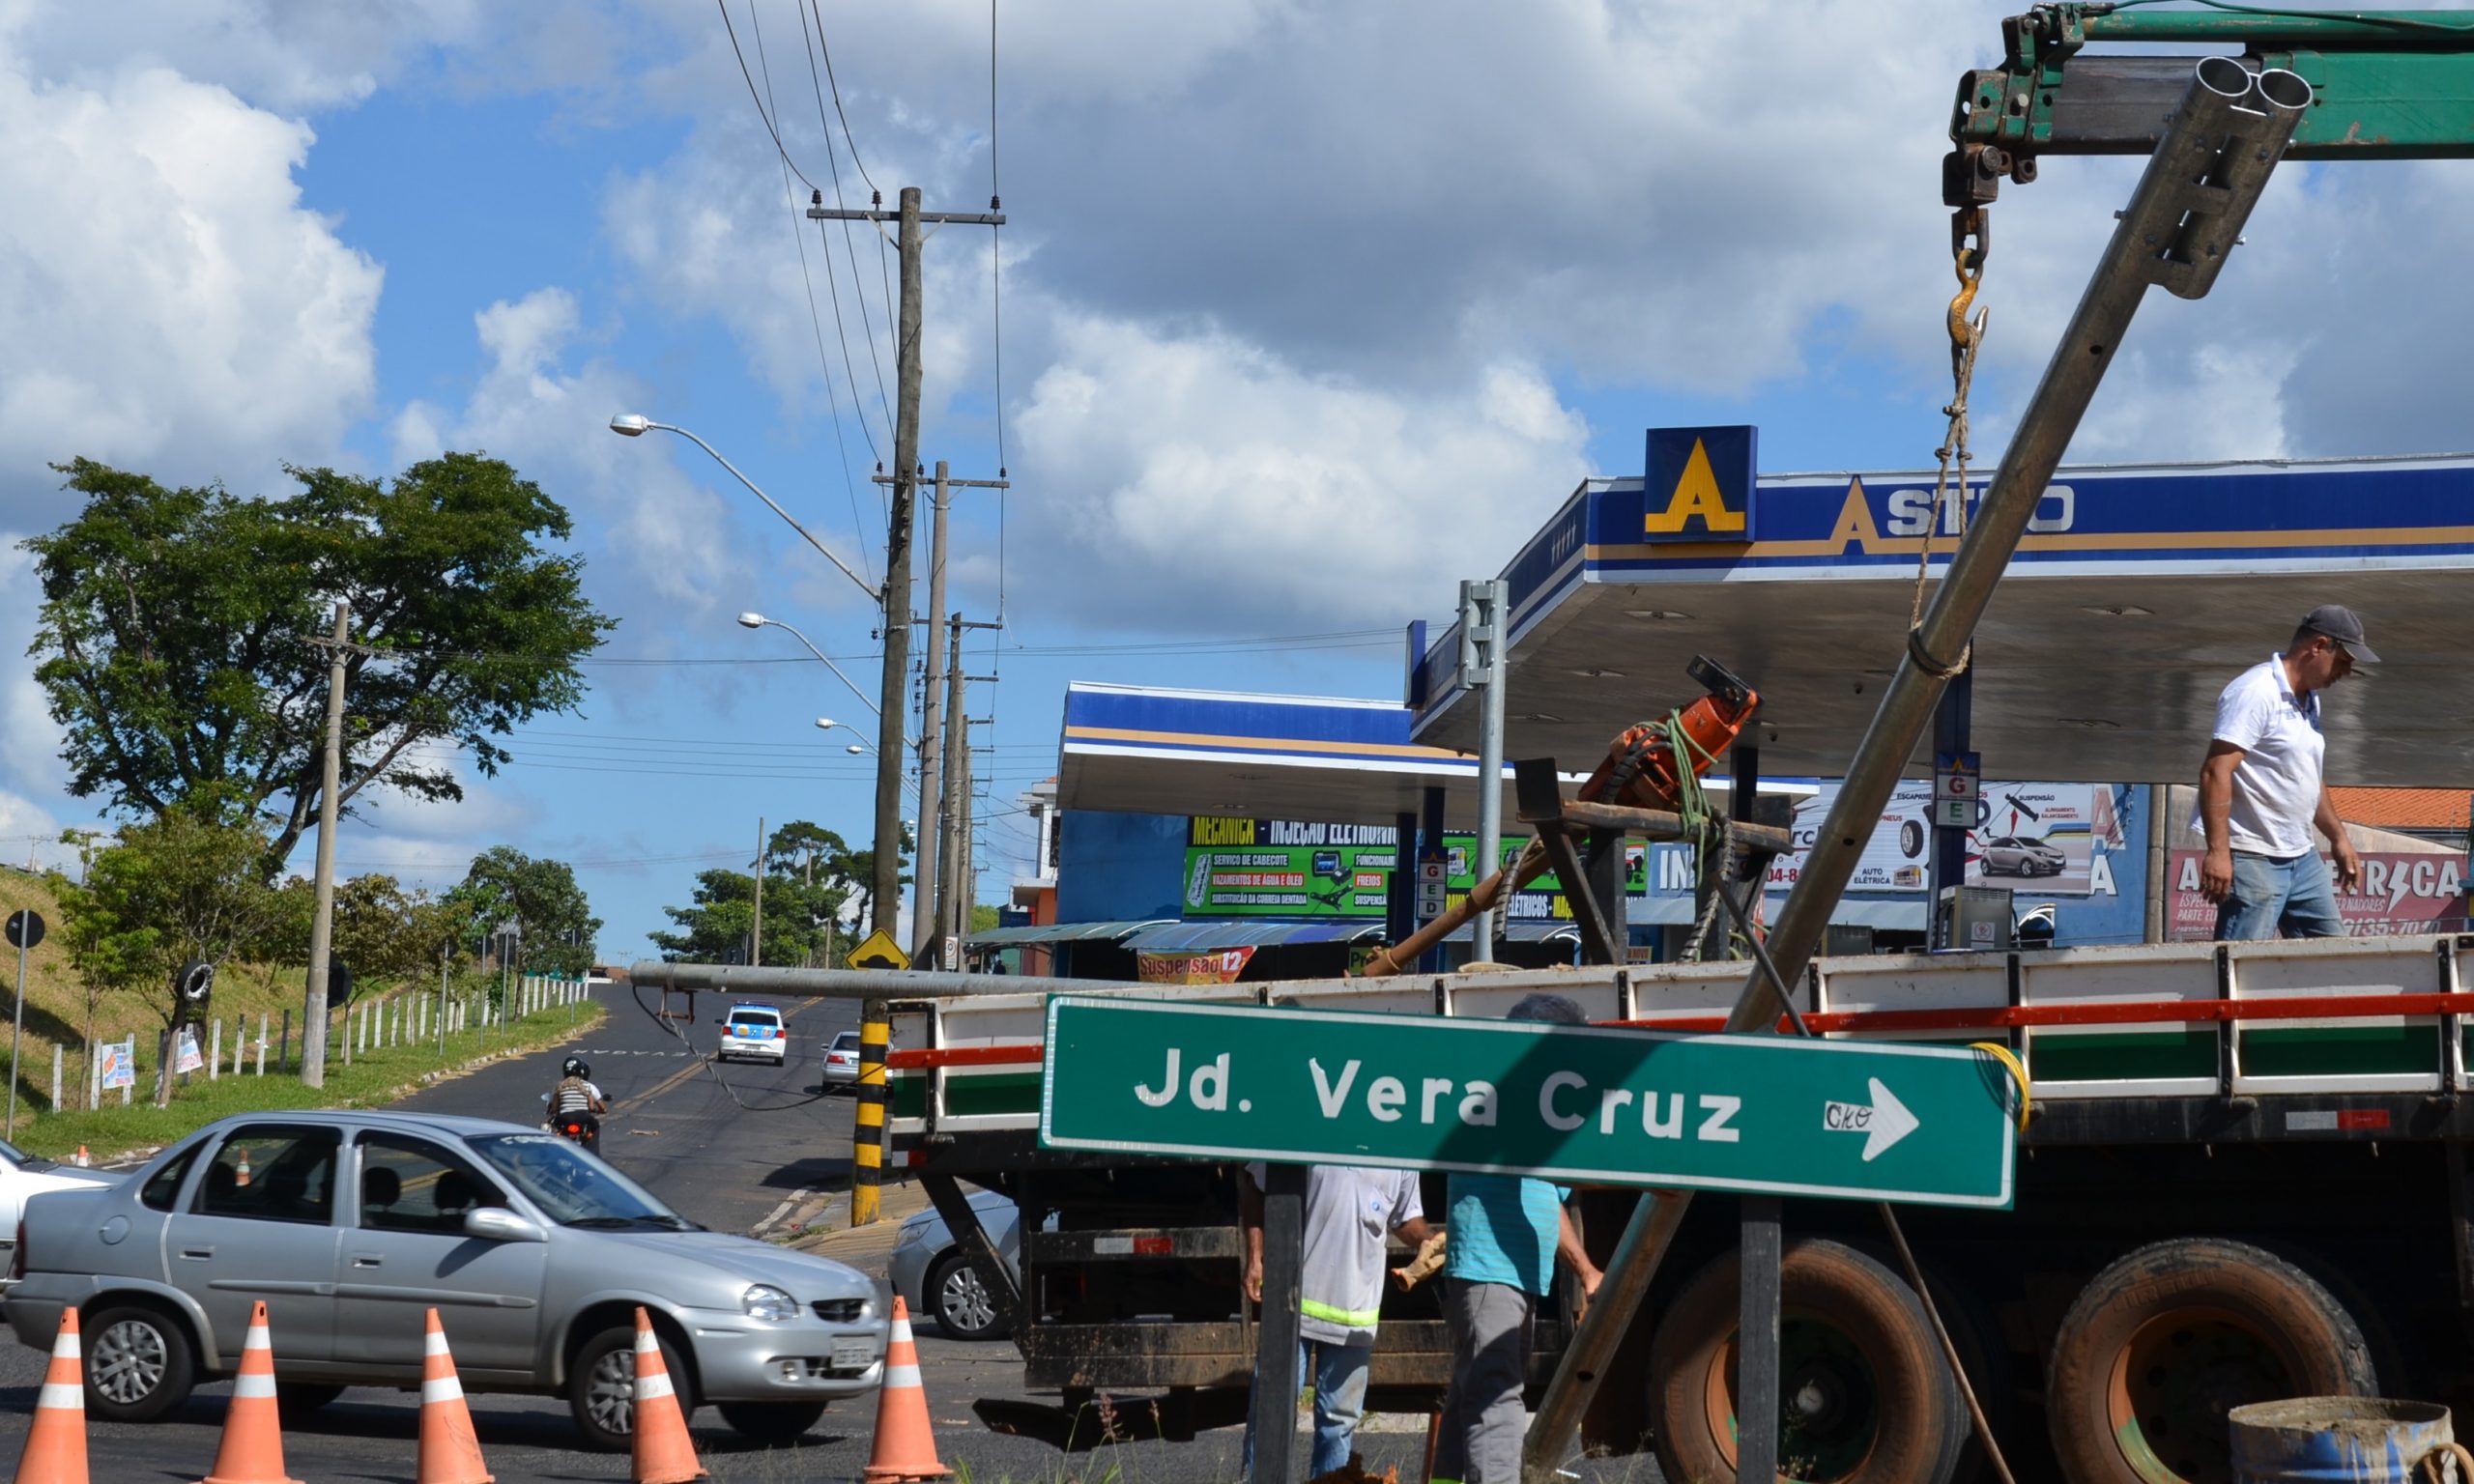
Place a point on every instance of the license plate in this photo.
(853, 1354)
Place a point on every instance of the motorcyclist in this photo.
(575, 1099)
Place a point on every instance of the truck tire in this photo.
(1986, 1359)
(2162, 1344)
(1866, 1398)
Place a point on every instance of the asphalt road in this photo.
(737, 1147)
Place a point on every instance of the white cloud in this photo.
(1201, 482)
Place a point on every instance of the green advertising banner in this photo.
(1292, 868)
(1857, 1121)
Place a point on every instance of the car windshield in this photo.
(572, 1187)
(12, 1152)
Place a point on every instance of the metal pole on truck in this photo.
(2184, 218)
(1484, 624)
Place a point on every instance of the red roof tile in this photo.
(2404, 809)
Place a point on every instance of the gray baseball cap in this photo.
(2338, 623)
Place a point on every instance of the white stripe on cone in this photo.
(257, 1385)
(62, 1394)
(652, 1383)
(67, 1347)
(899, 1376)
(434, 1343)
(442, 1388)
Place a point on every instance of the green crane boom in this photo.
(2386, 85)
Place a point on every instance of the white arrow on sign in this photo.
(1883, 1125)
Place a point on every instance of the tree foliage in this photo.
(385, 934)
(190, 884)
(812, 878)
(176, 640)
(554, 920)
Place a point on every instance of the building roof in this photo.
(2403, 809)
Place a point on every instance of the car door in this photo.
(404, 1252)
(260, 1225)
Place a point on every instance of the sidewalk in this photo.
(822, 1226)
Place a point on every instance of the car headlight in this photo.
(912, 1234)
(763, 1300)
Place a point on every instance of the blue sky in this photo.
(1308, 312)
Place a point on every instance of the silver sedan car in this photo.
(350, 1225)
(933, 1278)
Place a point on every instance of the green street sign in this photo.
(1860, 1121)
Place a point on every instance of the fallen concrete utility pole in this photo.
(2227, 135)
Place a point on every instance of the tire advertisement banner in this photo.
(1291, 868)
(2041, 838)
(2401, 893)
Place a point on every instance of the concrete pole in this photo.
(756, 938)
(925, 910)
(949, 884)
(886, 896)
(1482, 617)
(322, 926)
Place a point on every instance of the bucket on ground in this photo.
(2324, 1439)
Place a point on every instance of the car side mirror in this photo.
(493, 1224)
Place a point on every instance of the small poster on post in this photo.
(186, 1058)
(116, 1064)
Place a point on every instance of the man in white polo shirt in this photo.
(2261, 793)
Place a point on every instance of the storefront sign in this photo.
(2401, 893)
(1222, 966)
(2048, 838)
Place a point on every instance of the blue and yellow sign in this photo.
(1697, 484)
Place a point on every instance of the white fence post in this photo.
(262, 1043)
(215, 1052)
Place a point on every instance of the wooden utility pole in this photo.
(322, 926)
(885, 897)
(957, 795)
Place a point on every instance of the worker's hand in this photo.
(2348, 867)
(2216, 874)
(1254, 1281)
(1590, 1278)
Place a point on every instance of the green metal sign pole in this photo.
(1592, 1105)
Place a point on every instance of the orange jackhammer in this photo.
(1643, 768)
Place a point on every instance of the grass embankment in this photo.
(55, 1016)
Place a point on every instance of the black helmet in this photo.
(575, 1067)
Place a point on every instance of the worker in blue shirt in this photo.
(1507, 1234)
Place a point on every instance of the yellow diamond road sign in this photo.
(879, 952)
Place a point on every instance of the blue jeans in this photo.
(1337, 1374)
(2294, 894)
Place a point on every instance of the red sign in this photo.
(2399, 893)
(1221, 966)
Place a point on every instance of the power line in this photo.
(828, 49)
(850, 249)
(755, 97)
(799, 240)
(833, 279)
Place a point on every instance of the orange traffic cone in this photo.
(252, 1448)
(83, 1160)
(450, 1452)
(664, 1454)
(56, 1443)
(905, 1446)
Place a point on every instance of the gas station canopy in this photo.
(2137, 594)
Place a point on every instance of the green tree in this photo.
(814, 871)
(385, 934)
(983, 915)
(175, 640)
(554, 921)
(189, 884)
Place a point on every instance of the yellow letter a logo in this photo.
(1697, 496)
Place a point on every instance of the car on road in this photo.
(933, 1278)
(754, 1032)
(2023, 855)
(841, 1058)
(23, 1176)
(350, 1225)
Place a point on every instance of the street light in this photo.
(827, 723)
(753, 621)
(636, 424)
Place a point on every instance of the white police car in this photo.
(755, 1032)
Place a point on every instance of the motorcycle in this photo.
(582, 1130)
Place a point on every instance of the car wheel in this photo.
(770, 1422)
(964, 1308)
(298, 1399)
(1910, 838)
(601, 1387)
(139, 1363)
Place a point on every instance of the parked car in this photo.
(754, 1031)
(2021, 855)
(536, 1254)
(23, 1175)
(841, 1058)
(933, 1278)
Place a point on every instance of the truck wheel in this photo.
(1864, 1395)
(1983, 1356)
(139, 1363)
(601, 1388)
(2162, 1344)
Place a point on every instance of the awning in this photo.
(1204, 937)
(1060, 932)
